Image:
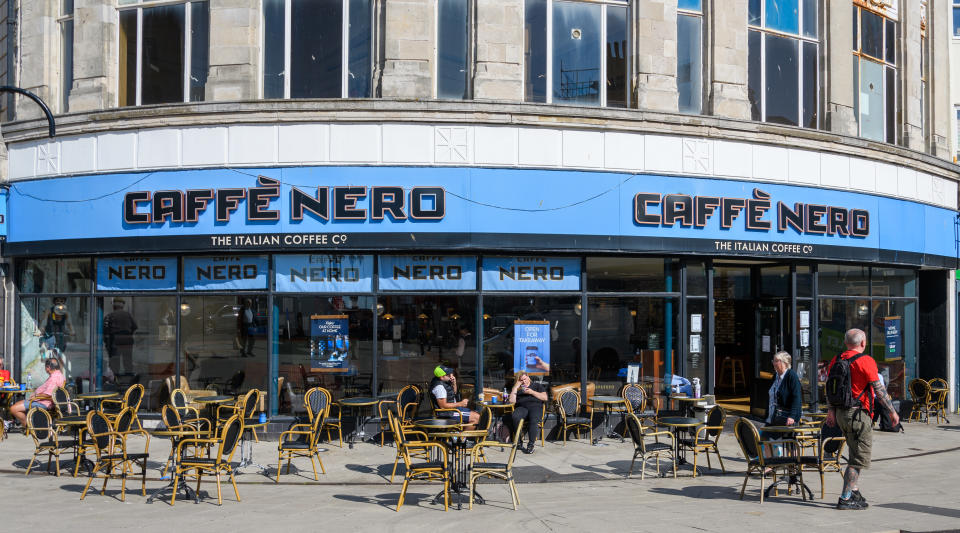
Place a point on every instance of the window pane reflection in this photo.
(273, 37)
(452, 41)
(55, 327)
(199, 50)
(360, 72)
(781, 80)
(535, 50)
(871, 33)
(298, 349)
(163, 55)
(315, 48)
(127, 93)
(617, 85)
(754, 74)
(783, 15)
(871, 100)
(136, 344)
(689, 63)
(633, 275)
(576, 53)
(500, 312)
(224, 342)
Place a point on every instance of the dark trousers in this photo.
(533, 417)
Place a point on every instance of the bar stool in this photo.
(731, 373)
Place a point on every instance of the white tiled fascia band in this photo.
(420, 144)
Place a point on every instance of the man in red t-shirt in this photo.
(857, 423)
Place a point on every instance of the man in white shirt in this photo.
(443, 389)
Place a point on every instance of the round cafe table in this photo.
(211, 402)
(458, 463)
(677, 424)
(358, 404)
(607, 402)
(95, 397)
(686, 403)
(791, 433)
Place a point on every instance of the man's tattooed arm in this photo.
(882, 396)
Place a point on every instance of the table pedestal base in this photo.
(789, 480)
(459, 495)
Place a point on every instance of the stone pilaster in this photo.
(499, 51)
(656, 79)
(913, 112)
(939, 29)
(39, 57)
(94, 55)
(727, 47)
(408, 49)
(840, 83)
(234, 50)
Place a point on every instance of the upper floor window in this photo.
(875, 74)
(956, 18)
(317, 48)
(66, 53)
(690, 56)
(783, 81)
(453, 48)
(164, 51)
(578, 54)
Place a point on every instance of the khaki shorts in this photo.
(858, 430)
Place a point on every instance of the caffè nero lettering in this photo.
(340, 203)
(655, 209)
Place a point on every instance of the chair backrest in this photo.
(124, 420)
(516, 443)
(39, 424)
(937, 383)
(61, 400)
(178, 399)
(635, 396)
(133, 397)
(749, 439)
(170, 415)
(636, 431)
(231, 432)
(486, 418)
(407, 395)
(919, 390)
(568, 403)
(250, 402)
(716, 418)
(316, 402)
(98, 429)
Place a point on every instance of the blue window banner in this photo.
(894, 341)
(323, 273)
(329, 343)
(137, 274)
(533, 273)
(531, 347)
(428, 273)
(226, 272)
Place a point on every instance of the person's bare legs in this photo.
(19, 411)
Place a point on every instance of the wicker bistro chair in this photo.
(187, 413)
(131, 399)
(920, 395)
(938, 398)
(112, 454)
(301, 441)
(226, 444)
(568, 408)
(40, 427)
(246, 407)
(319, 399)
(435, 470)
(504, 471)
(706, 438)
(827, 458)
(752, 448)
(637, 402)
(62, 404)
(406, 402)
(406, 435)
(172, 421)
(644, 450)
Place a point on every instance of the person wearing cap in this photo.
(443, 389)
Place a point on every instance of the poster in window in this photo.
(894, 337)
(531, 347)
(329, 343)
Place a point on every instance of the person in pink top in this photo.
(56, 379)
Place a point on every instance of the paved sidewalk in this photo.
(912, 486)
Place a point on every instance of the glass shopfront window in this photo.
(698, 341)
(323, 341)
(418, 332)
(844, 280)
(54, 326)
(613, 274)
(628, 330)
(136, 343)
(500, 314)
(54, 275)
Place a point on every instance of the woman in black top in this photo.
(528, 399)
(786, 394)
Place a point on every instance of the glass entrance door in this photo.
(771, 335)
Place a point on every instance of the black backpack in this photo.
(838, 387)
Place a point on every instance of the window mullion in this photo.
(603, 56)
(187, 49)
(345, 51)
(139, 54)
(549, 88)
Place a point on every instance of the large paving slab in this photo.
(912, 486)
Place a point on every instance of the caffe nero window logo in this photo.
(757, 214)
(348, 203)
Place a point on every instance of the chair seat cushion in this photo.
(657, 447)
(489, 466)
(119, 456)
(779, 461)
(62, 444)
(331, 420)
(295, 445)
(689, 443)
(427, 465)
(577, 420)
(73, 418)
(207, 461)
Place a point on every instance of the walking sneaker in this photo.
(529, 449)
(859, 497)
(850, 504)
